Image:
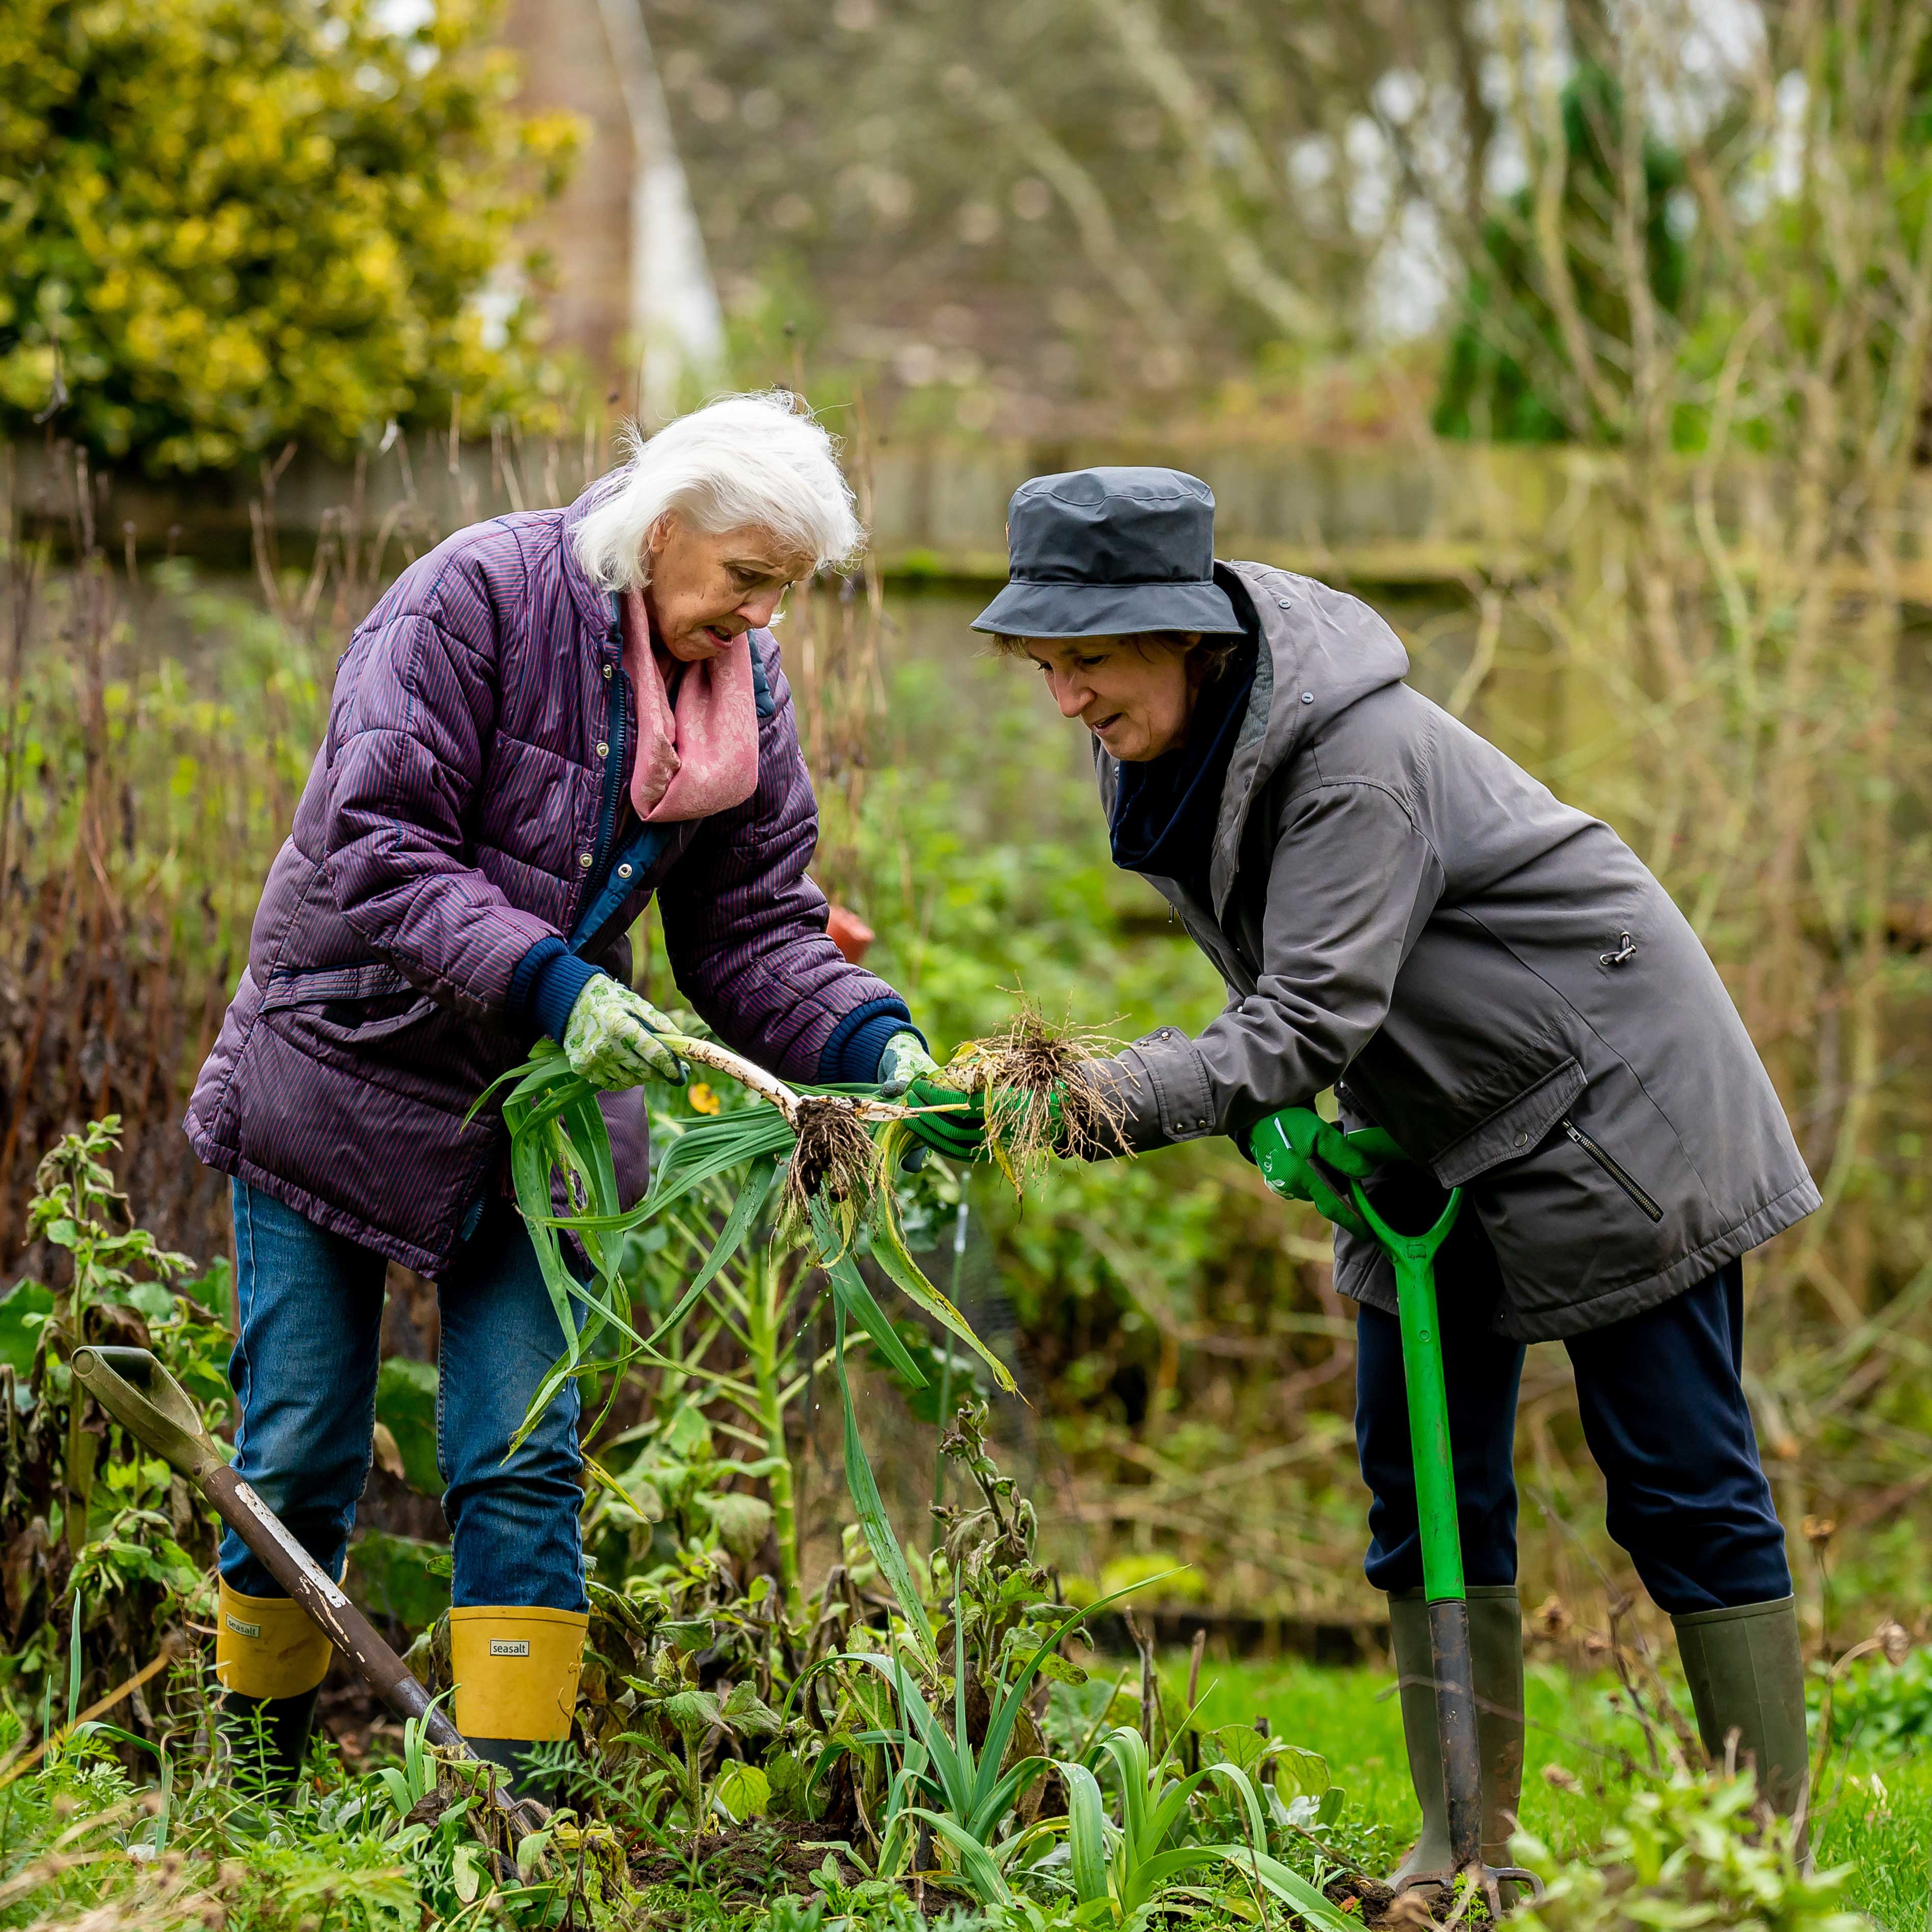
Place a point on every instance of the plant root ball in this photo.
(835, 1156)
(1019, 1072)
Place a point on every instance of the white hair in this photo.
(741, 462)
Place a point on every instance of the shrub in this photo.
(1884, 1707)
(224, 224)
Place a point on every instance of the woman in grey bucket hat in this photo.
(1403, 916)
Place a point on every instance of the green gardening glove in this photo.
(1286, 1147)
(904, 1060)
(611, 1038)
(960, 1134)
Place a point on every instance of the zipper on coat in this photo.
(1608, 1163)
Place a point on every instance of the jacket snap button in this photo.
(583, 860)
(1308, 697)
(603, 750)
(1284, 603)
(607, 672)
(1523, 1140)
(623, 871)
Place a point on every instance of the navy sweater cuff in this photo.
(545, 985)
(850, 1057)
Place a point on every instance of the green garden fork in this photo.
(1413, 1258)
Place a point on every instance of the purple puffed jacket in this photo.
(450, 824)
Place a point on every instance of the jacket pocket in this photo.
(368, 1001)
(1513, 1130)
(1611, 1166)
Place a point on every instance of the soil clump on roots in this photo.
(835, 1160)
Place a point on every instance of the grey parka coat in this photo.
(1402, 913)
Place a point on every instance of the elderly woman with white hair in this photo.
(547, 720)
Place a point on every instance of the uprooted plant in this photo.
(828, 1155)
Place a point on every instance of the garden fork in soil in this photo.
(1413, 1258)
(138, 1392)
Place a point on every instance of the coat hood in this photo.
(1321, 651)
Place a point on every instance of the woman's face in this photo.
(707, 591)
(1135, 697)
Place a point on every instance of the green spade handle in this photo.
(1413, 1258)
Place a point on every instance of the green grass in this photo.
(1874, 1814)
(243, 1867)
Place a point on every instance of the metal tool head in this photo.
(134, 1388)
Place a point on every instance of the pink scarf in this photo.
(701, 757)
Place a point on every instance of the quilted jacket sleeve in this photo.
(414, 712)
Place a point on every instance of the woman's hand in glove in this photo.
(907, 1073)
(959, 1134)
(1286, 1147)
(904, 1060)
(611, 1038)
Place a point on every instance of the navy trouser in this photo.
(1664, 1414)
(303, 1370)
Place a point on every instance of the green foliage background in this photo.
(226, 223)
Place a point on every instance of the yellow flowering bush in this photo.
(224, 224)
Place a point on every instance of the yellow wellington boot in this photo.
(270, 1661)
(516, 1668)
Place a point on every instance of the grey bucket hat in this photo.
(1102, 553)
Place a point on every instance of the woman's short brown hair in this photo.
(1214, 647)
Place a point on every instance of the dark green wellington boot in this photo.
(267, 1737)
(1746, 1674)
(1495, 1653)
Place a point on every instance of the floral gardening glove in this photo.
(905, 1063)
(1286, 1146)
(611, 1038)
(904, 1060)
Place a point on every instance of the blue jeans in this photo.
(1664, 1415)
(304, 1369)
